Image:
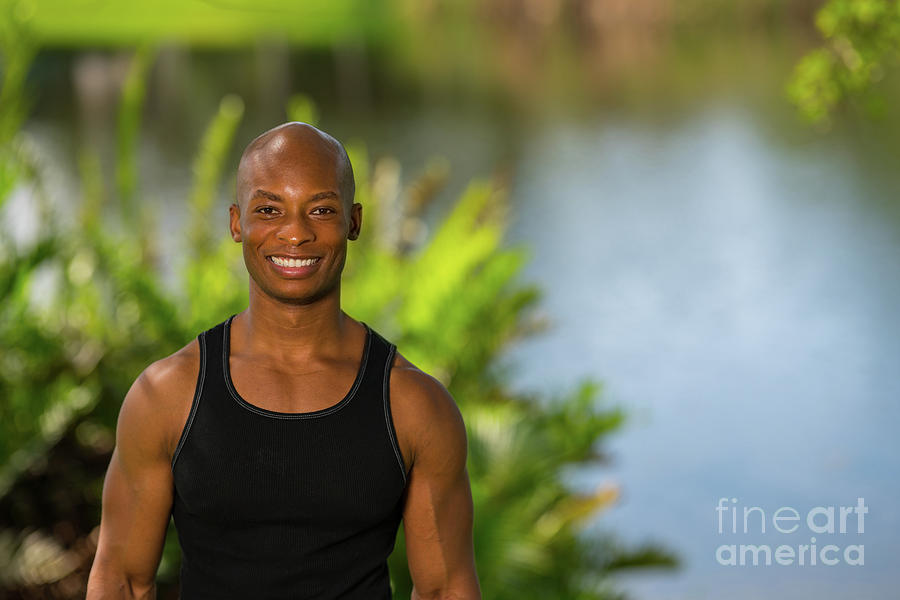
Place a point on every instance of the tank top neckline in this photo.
(229, 383)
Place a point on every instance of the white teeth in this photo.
(293, 262)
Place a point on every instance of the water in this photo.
(738, 298)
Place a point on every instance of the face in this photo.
(292, 222)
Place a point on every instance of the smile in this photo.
(284, 261)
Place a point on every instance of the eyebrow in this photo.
(323, 195)
(268, 195)
(276, 198)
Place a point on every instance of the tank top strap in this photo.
(210, 373)
(376, 381)
(377, 368)
(214, 340)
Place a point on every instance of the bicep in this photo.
(438, 514)
(137, 496)
(136, 507)
(437, 524)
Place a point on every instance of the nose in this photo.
(295, 232)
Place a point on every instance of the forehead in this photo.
(292, 165)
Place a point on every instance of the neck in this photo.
(291, 332)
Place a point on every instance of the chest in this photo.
(280, 388)
(318, 471)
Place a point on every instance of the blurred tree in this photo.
(84, 310)
(862, 45)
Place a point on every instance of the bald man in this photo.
(289, 440)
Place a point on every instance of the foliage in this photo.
(16, 52)
(862, 45)
(84, 309)
(198, 22)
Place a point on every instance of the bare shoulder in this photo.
(158, 404)
(425, 414)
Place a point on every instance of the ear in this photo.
(234, 212)
(355, 221)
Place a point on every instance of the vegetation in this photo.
(84, 307)
(862, 44)
(201, 23)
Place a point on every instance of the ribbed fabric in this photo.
(272, 505)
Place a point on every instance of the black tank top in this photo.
(287, 505)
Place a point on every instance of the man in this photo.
(282, 483)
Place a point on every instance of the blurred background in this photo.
(650, 246)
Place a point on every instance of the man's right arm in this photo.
(137, 491)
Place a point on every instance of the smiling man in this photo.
(289, 440)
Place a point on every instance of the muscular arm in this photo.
(137, 491)
(437, 517)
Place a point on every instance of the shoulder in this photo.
(158, 403)
(426, 416)
(174, 372)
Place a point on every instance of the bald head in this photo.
(294, 146)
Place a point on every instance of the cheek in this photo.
(249, 256)
(253, 232)
(251, 240)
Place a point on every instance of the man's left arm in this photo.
(437, 517)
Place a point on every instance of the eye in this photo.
(322, 208)
(266, 210)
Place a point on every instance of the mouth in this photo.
(293, 262)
